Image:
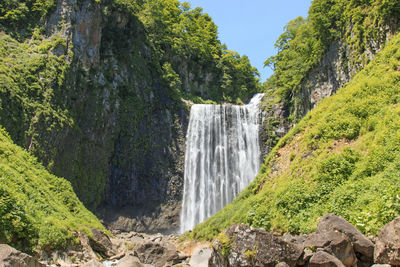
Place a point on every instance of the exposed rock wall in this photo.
(124, 153)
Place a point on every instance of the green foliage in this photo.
(225, 243)
(186, 41)
(31, 81)
(37, 210)
(305, 41)
(23, 14)
(346, 161)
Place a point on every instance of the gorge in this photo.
(222, 157)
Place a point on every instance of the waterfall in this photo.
(222, 157)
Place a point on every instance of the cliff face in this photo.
(96, 89)
(339, 64)
(124, 153)
(337, 67)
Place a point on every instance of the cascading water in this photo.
(222, 157)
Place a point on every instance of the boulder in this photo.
(334, 243)
(361, 244)
(93, 263)
(158, 254)
(282, 264)
(387, 246)
(10, 257)
(101, 243)
(200, 257)
(324, 259)
(130, 261)
(305, 257)
(242, 245)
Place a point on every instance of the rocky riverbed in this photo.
(335, 243)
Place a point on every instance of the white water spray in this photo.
(222, 157)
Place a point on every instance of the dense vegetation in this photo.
(343, 157)
(22, 16)
(31, 78)
(305, 41)
(37, 209)
(186, 42)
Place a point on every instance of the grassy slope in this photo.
(343, 157)
(37, 209)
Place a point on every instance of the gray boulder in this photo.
(243, 245)
(10, 257)
(101, 243)
(282, 264)
(334, 243)
(158, 254)
(361, 244)
(130, 261)
(324, 259)
(387, 246)
(200, 257)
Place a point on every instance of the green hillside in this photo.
(343, 157)
(37, 210)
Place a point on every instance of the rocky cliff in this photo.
(126, 146)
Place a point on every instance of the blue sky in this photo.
(252, 27)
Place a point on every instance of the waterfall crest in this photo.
(222, 157)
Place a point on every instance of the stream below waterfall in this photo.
(222, 157)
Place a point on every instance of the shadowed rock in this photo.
(101, 243)
(334, 243)
(324, 259)
(361, 244)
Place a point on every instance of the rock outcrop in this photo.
(246, 246)
(335, 243)
(361, 244)
(200, 257)
(101, 243)
(10, 257)
(124, 155)
(324, 259)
